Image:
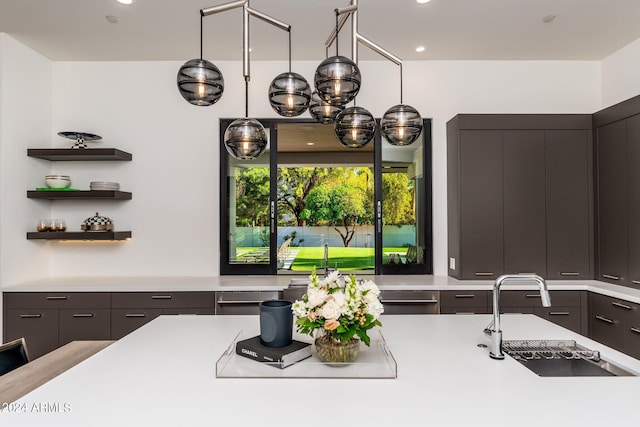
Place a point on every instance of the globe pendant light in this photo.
(322, 111)
(337, 80)
(289, 93)
(355, 127)
(401, 125)
(199, 81)
(245, 139)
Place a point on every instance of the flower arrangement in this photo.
(339, 306)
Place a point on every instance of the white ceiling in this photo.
(77, 30)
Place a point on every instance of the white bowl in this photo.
(57, 182)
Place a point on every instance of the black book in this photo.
(280, 357)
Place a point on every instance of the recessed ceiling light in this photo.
(112, 19)
(420, 49)
(311, 143)
(127, 2)
(422, 1)
(548, 18)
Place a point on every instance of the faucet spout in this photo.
(493, 330)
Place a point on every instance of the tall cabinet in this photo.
(617, 140)
(520, 195)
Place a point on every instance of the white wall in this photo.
(174, 214)
(621, 75)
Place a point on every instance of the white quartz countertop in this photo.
(271, 283)
(163, 374)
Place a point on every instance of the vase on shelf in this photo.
(334, 352)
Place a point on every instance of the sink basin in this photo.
(562, 359)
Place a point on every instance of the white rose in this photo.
(299, 308)
(375, 309)
(331, 310)
(316, 297)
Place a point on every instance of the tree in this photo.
(342, 206)
(397, 193)
(294, 185)
(252, 196)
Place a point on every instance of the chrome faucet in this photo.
(493, 330)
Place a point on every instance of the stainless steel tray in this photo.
(548, 349)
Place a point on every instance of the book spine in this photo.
(253, 353)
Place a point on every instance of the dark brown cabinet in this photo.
(410, 301)
(465, 302)
(615, 323)
(242, 302)
(131, 310)
(519, 196)
(568, 308)
(50, 320)
(633, 173)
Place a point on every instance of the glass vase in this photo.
(334, 352)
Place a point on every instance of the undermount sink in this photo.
(562, 359)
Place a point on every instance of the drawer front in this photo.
(293, 294)
(39, 327)
(243, 302)
(567, 317)
(531, 298)
(612, 307)
(127, 320)
(57, 299)
(465, 310)
(632, 338)
(410, 302)
(162, 300)
(457, 299)
(84, 324)
(189, 311)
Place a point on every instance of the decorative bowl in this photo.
(57, 182)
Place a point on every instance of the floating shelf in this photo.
(78, 235)
(81, 154)
(79, 195)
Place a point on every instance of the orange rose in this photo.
(330, 325)
(312, 316)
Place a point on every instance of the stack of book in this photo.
(280, 357)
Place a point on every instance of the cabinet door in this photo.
(39, 327)
(127, 320)
(633, 146)
(567, 317)
(632, 336)
(612, 204)
(524, 202)
(568, 204)
(607, 320)
(84, 324)
(481, 208)
(464, 302)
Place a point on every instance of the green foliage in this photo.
(252, 196)
(294, 185)
(397, 196)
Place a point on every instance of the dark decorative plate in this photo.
(80, 135)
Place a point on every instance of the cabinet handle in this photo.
(409, 301)
(238, 302)
(569, 273)
(161, 296)
(465, 296)
(626, 307)
(604, 319)
(532, 296)
(636, 330)
(636, 282)
(56, 298)
(609, 276)
(135, 315)
(559, 313)
(465, 312)
(83, 315)
(30, 316)
(484, 273)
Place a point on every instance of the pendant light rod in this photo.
(332, 36)
(201, 17)
(222, 7)
(268, 19)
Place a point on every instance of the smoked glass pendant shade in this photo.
(200, 82)
(245, 139)
(337, 80)
(289, 94)
(322, 111)
(355, 127)
(401, 125)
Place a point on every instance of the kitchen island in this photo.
(164, 374)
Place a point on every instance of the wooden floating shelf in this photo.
(80, 154)
(78, 235)
(80, 195)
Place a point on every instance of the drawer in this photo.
(125, 321)
(531, 298)
(465, 310)
(39, 327)
(199, 311)
(243, 302)
(162, 299)
(567, 317)
(410, 302)
(632, 339)
(56, 300)
(612, 307)
(84, 324)
(456, 299)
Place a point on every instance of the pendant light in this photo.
(401, 124)
(199, 81)
(289, 93)
(337, 78)
(322, 111)
(355, 127)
